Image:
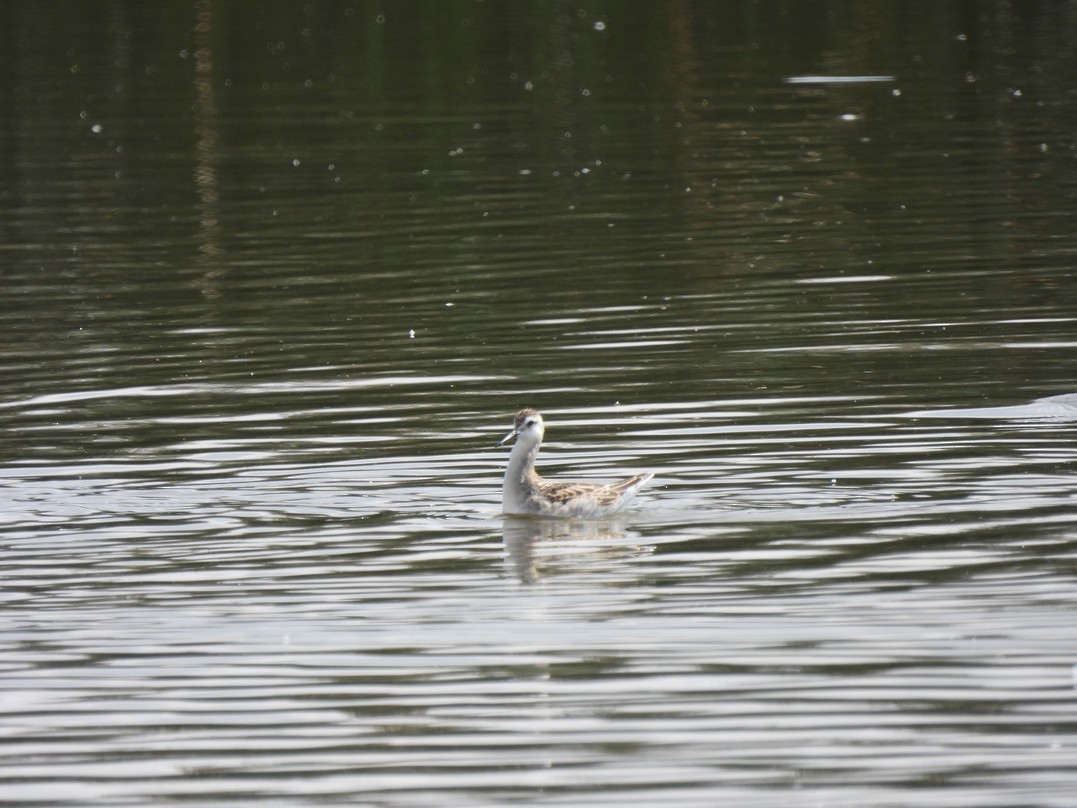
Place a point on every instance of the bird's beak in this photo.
(507, 438)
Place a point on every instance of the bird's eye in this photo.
(530, 422)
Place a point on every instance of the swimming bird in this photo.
(527, 493)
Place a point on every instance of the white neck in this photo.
(518, 486)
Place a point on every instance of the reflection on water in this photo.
(533, 545)
(276, 283)
(1051, 408)
(205, 110)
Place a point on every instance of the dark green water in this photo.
(277, 275)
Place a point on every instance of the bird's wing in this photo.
(602, 494)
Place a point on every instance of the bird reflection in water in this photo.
(536, 548)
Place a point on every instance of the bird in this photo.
(525, 492)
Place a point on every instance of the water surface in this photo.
(276, 284)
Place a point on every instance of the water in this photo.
(275, 287)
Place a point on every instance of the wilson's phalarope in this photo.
(525, 492)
